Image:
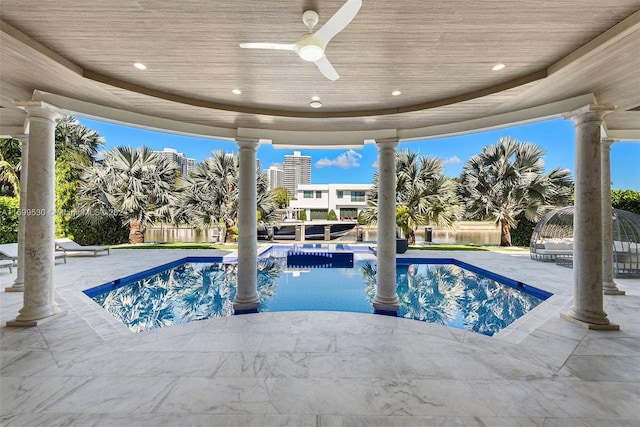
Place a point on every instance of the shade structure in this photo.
(552, 240)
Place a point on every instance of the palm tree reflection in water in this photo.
(452, 296)
(192, 291)
(442, 294)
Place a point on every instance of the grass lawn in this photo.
(178, 245)
(457, 247)
(234, 246)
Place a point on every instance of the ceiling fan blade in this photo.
(327, 69)
(339, 20)
(276, 46)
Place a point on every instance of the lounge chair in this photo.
(9, 251)
(68, 245)
(7, 263)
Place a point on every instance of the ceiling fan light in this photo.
(311, 52)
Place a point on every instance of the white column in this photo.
(610, 287)
(587, 307)
(39, 305)
(386, 299)
(247, 299)
(18, 283)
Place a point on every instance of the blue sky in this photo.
(557, 137)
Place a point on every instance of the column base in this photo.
(246, 307)
(14, 289)
(610, 288)
(386, 307)
(591, 326)
(37, 322)
(385, 312)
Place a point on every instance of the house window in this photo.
(348, 213)
(318, 214)
(318, 194)
(357, 196)
(340, 194)
(308, 195)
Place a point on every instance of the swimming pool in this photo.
(443, 291)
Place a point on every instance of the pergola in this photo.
(577, 60)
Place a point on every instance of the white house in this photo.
(346, 200)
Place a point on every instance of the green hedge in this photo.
(627, 200)
(521, 235)
(110, 232)
(9, 208)
(361, 220)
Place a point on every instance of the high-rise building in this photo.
(185, 164)
(297, 170)
(275, 175)
(191, 166)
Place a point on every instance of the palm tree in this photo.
(266, 202)
(209, 195)
(137, 184)
(76, 140)
(75, 149)
(10, 165)
(507, 179)
(423, 194)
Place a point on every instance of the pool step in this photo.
(319, 259)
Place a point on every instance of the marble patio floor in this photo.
(317, 368)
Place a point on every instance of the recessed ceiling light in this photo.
(315, 98)
(236, 91)
(396, 93)
(140, 66)
(498, 67)
(315, 104)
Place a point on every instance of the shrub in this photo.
(331, 216)
(111, 231)
(9, 208)
(521, 235)
(302, 216)
(66, 195)
(627, 200)
(361, 220)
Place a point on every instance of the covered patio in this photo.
(407, 71)
(318, 368)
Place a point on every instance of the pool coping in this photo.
(231, 259)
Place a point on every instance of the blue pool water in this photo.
(303, 278)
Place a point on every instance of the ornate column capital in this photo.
(247, 143)
(39, 109)
(387, 143)
(589, 113)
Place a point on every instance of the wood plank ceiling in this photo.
(79, 55)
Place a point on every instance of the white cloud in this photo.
(453, 160)
(346, 160)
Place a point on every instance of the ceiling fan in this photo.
(311, 46)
